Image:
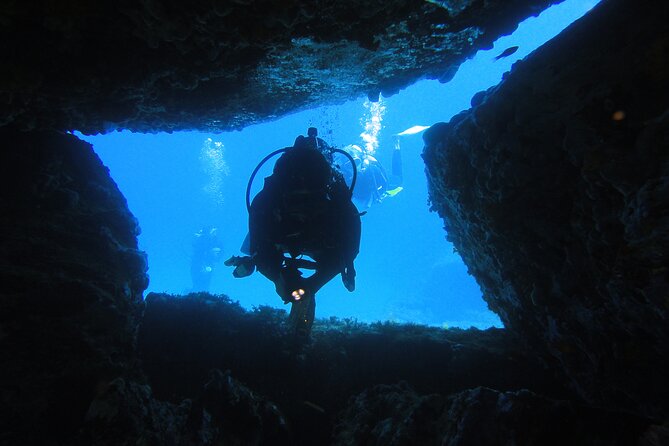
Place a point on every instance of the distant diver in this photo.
(507, 52)
(304, 210)
(374, 184)
(206, 254)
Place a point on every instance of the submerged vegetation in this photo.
(267, 319)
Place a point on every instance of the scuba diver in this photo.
(206, 253)
(373, 184)
(303, 210)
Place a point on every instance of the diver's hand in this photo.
(244, 266)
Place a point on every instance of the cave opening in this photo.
(182, 185)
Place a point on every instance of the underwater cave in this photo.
(551, 185)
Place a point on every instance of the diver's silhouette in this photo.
(206, 254)
(304, 209)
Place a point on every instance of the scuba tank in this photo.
(315, 143)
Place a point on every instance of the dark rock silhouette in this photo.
(182, 338)
(558, 206)
(215, 65)
(397, 415)
(72, 282)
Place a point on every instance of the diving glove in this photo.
(244, 266)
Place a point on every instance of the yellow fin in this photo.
(394, 192)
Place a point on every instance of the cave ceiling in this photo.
(216, 65)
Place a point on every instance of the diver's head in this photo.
(310, 141)
(207, 230)
(312, 137)
(356, 153)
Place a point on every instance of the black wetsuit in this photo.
(304, 208)
(206, 253)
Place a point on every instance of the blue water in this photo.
(176, 184)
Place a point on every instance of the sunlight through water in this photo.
(187, 183)
(371, 123)
(212, 159)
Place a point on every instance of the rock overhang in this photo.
(217, 66)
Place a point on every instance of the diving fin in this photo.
(393, 192)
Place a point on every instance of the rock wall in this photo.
(182, 338)
(219, 65)
(72, 282)
(396, 415)
(70, 307)
(554, 189)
